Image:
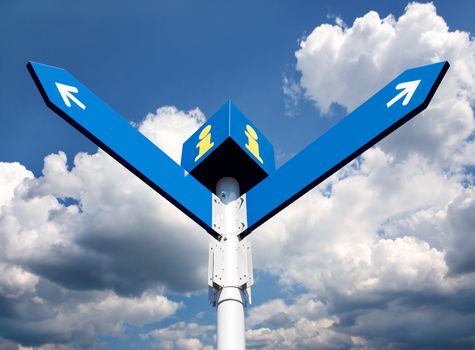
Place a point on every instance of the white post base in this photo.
(230, 324)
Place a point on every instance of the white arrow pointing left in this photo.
(409, 89)
(66, 92)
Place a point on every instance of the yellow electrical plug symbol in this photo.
(252, 144)
(205, 144)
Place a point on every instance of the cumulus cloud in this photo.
(304, 324)
(385, 246)
(346, 65)
(182, 336)
(114, 222)
(11, 175)
(55, 315)
(393, 238)
(86, 248)
(169, 127)
(51, 314)
(14, 281)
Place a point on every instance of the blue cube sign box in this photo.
(228, 144)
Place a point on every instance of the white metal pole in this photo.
(231, 299)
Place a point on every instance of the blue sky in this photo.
(140, 57)
(379, 257)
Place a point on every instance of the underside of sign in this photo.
(228, 145)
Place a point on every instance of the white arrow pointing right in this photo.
(409, 89)
(66, 93)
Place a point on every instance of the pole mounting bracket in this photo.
(244, 278)
(218, 216)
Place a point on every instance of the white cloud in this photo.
(181, 336)
(378, 233)
(345, 227)
(14, 281)
(346, 65)
(135, 311)
(61, 317)
(171, 129)
(390, 236)
(278, 312)
(87, 249)
(112, 218)
(11, 175)
(305, 324)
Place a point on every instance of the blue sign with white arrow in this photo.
(95, 119)
(391, 107)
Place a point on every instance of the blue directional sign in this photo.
(95, 119)
(228, 149)
(391, 107)
(228, 144)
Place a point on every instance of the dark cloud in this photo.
(419, 327)
(6, 344)
(461, 224)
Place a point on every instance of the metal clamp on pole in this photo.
(230, 266)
